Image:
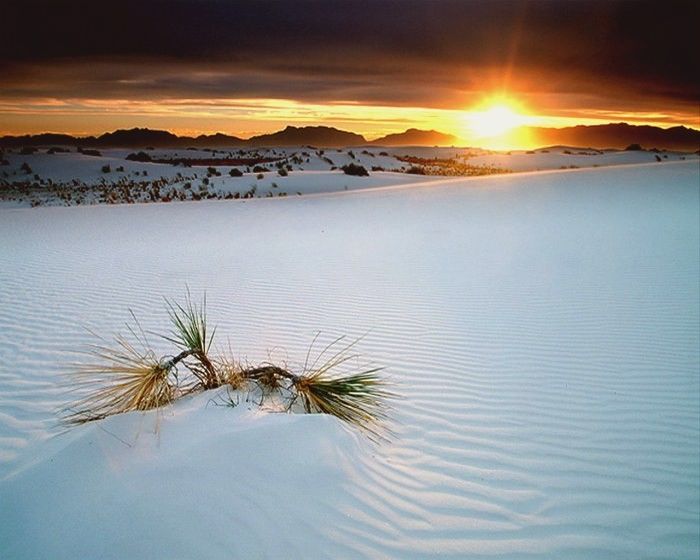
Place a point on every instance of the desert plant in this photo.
(124, 378)
(140, 156)
(358, 398)
(416, 170)
(355, 169)
(189, 333)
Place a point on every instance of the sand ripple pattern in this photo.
(543, 331)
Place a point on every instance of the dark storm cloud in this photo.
(403, 52)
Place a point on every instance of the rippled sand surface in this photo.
(543, 331)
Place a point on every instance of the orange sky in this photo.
(247, 117)
(250, 67)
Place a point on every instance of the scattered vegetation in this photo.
(235, 172)
(633, 148)
(127, 375)
(447, 167)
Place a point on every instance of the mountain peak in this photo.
(417, 137)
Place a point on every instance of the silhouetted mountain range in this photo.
(415, 137)
(613, 135)
(315, 135)
(618, 135)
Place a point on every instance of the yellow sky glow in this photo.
(492, 123)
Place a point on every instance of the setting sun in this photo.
(496, 120)
(497, 123)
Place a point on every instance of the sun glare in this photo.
(496, 120)
(497, 124)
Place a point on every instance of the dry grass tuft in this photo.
(358, 398)
(125, 380)
(231, 373)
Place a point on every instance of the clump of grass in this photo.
(359, 398)
(189, 333)
(123, 379)
(126, 379)
(231, 373)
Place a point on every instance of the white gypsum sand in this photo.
(543, 330)
(72, 178)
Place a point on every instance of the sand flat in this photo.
(543, 330)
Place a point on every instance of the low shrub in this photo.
(355, 169)
(416, 170)
(140, 156)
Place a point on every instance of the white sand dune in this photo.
(312, 171)
(543, 330)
